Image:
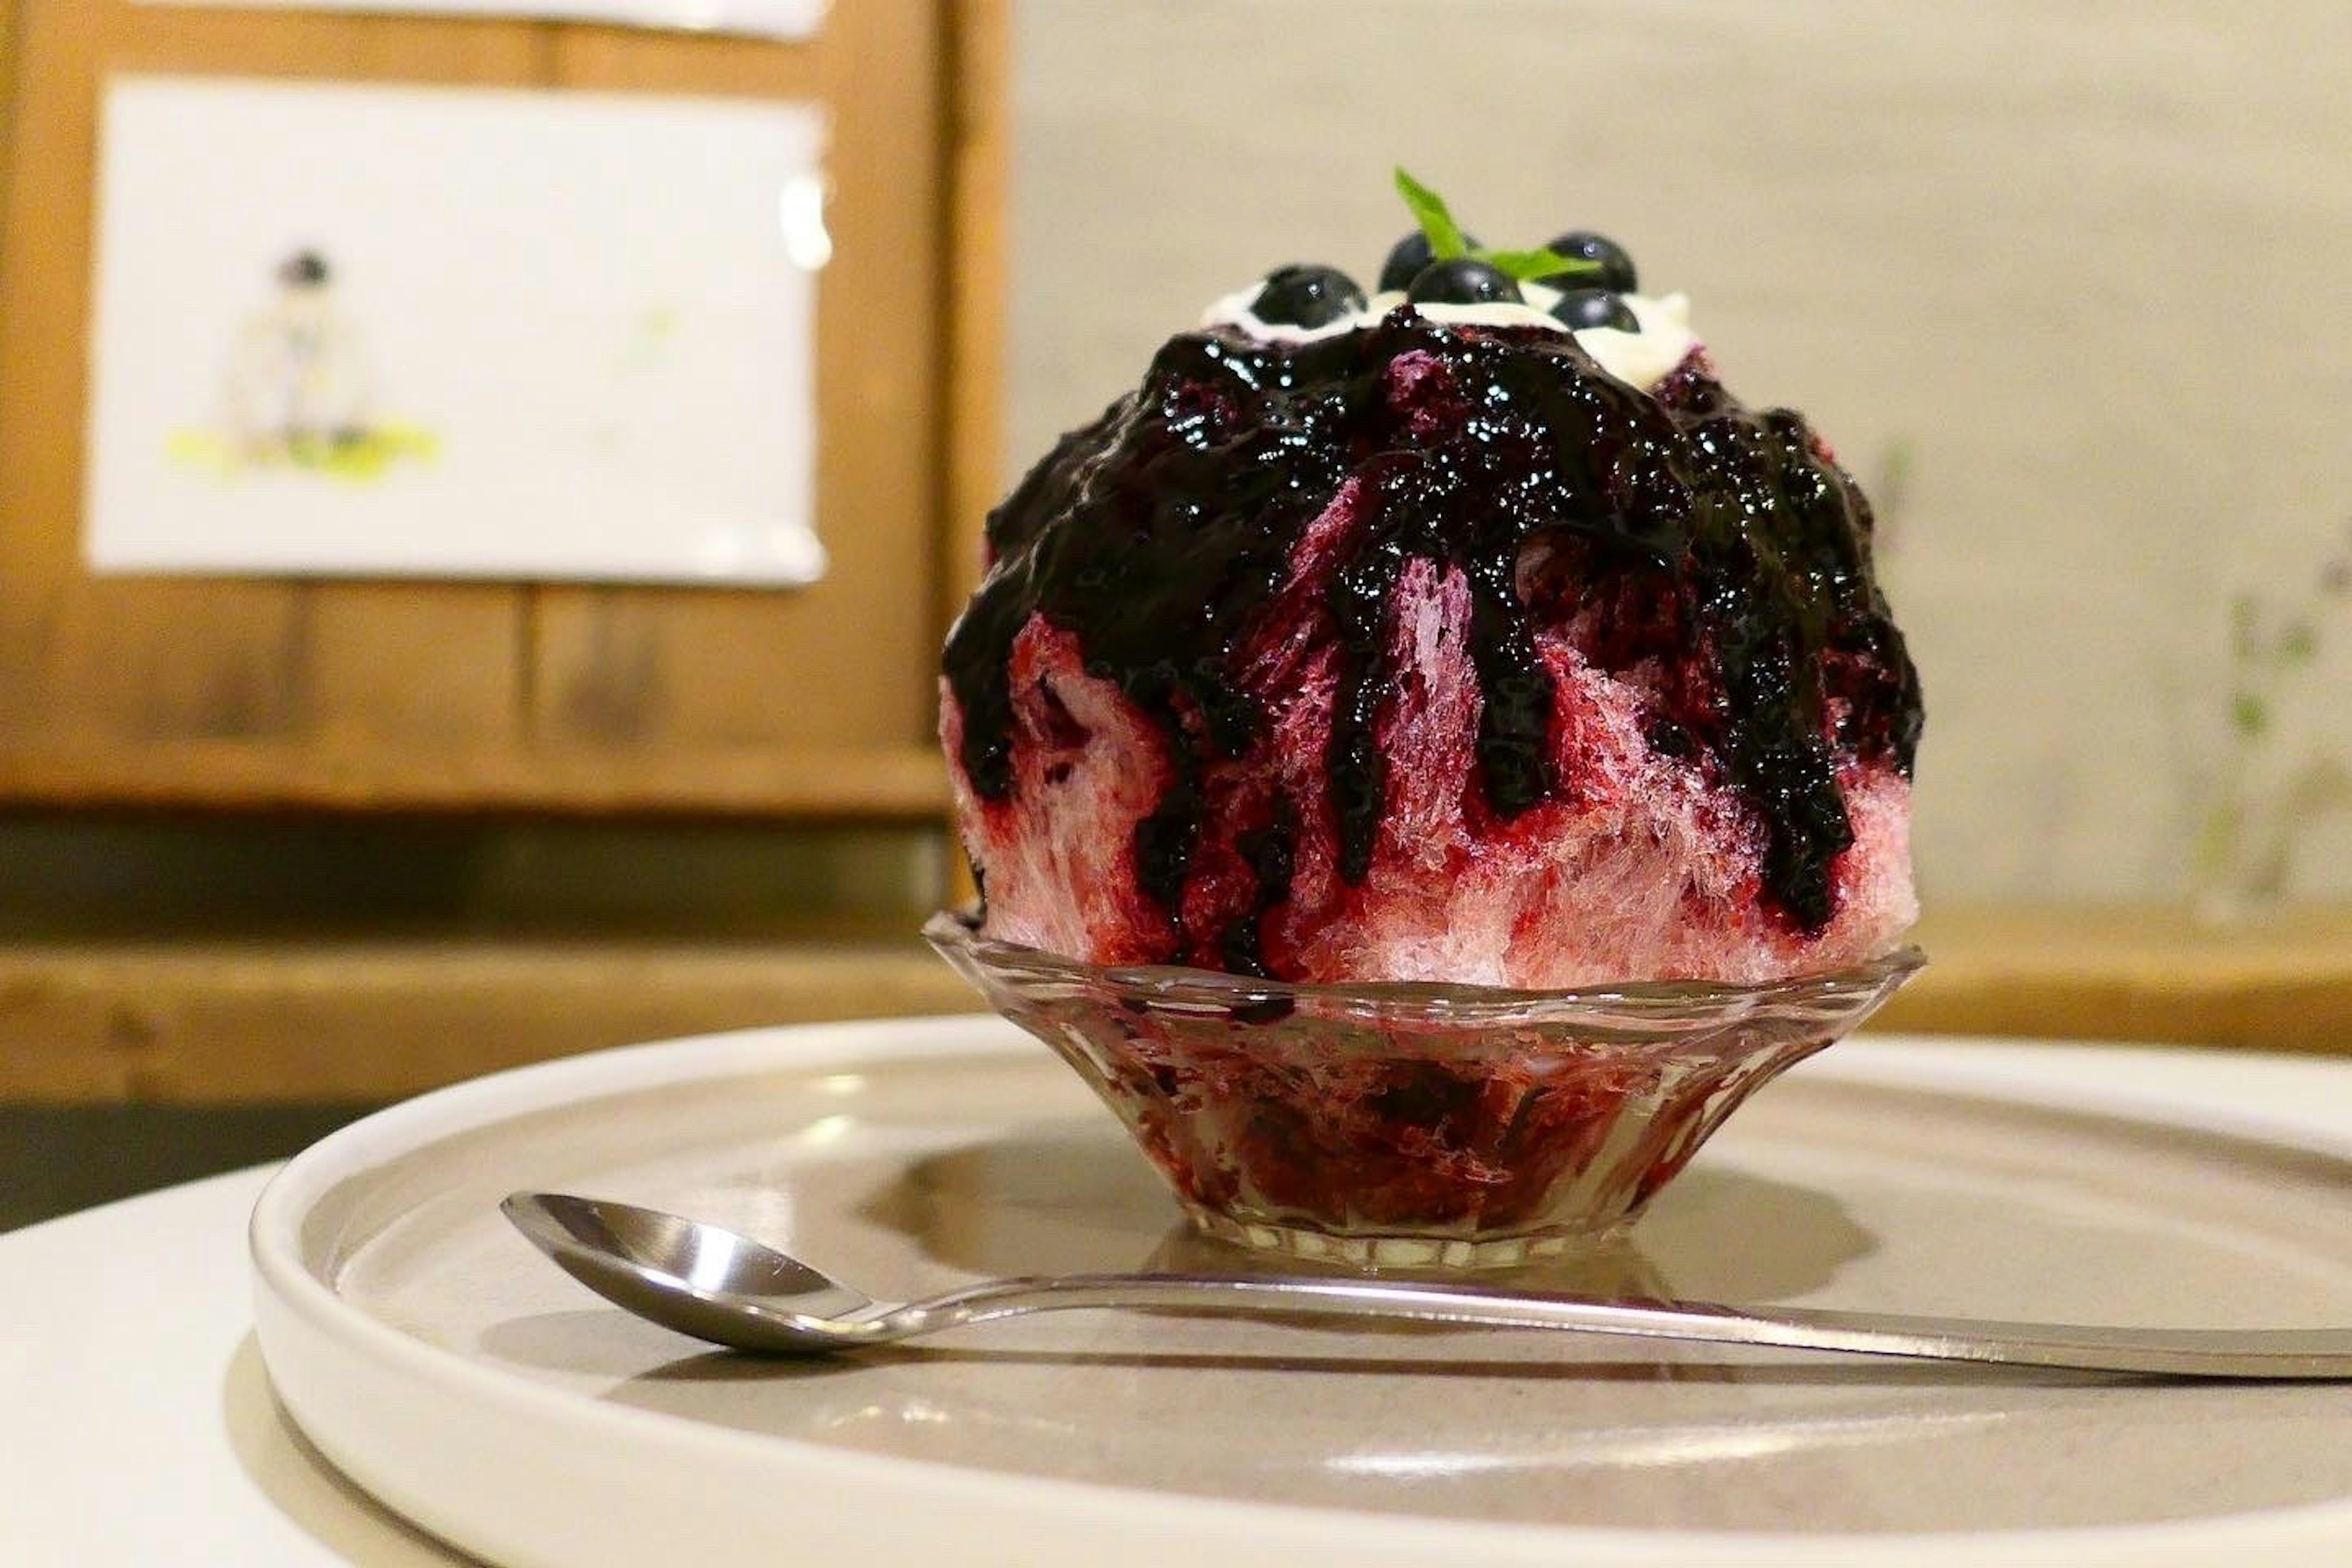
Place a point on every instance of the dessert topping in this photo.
(1732, 559)
(1408, 259)
(1463, 281)
(1616, 267)
(1306, 296)
(1583, 310)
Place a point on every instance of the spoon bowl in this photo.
(703, 1280)
(713, 1284)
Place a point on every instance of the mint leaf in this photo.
(1522, 265)
(1446, 240)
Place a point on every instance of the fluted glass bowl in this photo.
(1423, 1125)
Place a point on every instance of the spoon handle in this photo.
(2272, 1354)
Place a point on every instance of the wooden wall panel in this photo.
(324, 45)
(846, 665)
(979, 284)
(10, 47)
(400, 669)
(107, 682)
(259, 692)
(981, 99)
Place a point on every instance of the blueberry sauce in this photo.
(1736, 551)
(1270, 853)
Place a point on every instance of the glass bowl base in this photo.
(1417, 1252)
(1414, 1126)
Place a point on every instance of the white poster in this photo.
(759, 18)
(441, 333)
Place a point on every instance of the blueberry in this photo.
(1463, 281)
(1616, 267)
(1408, 259)
(1581, 308)
(1305, 297)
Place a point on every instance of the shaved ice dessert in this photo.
(1473, 634)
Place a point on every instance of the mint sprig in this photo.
(1521, 266)
(1448, 242)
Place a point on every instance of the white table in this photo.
(137, 1428)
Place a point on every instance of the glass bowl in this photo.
(1414, 1125)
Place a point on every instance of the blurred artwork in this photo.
(752, 18)
(449, 332)
(297, 392)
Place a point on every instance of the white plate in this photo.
(462, 1379)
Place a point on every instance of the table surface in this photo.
(137, 1426)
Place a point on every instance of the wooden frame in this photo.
(253, 693)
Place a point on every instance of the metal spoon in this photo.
(712, 1284)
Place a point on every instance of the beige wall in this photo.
(2088, 268)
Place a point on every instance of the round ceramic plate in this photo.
(452, 1371)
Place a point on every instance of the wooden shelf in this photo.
(199, 1021)
(2282, 982)
(905, 782)
(195, 1021)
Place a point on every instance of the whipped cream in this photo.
(1640, 359)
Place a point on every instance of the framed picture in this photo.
(454, 332)
(760, 18)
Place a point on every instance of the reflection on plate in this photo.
(913, 1157)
